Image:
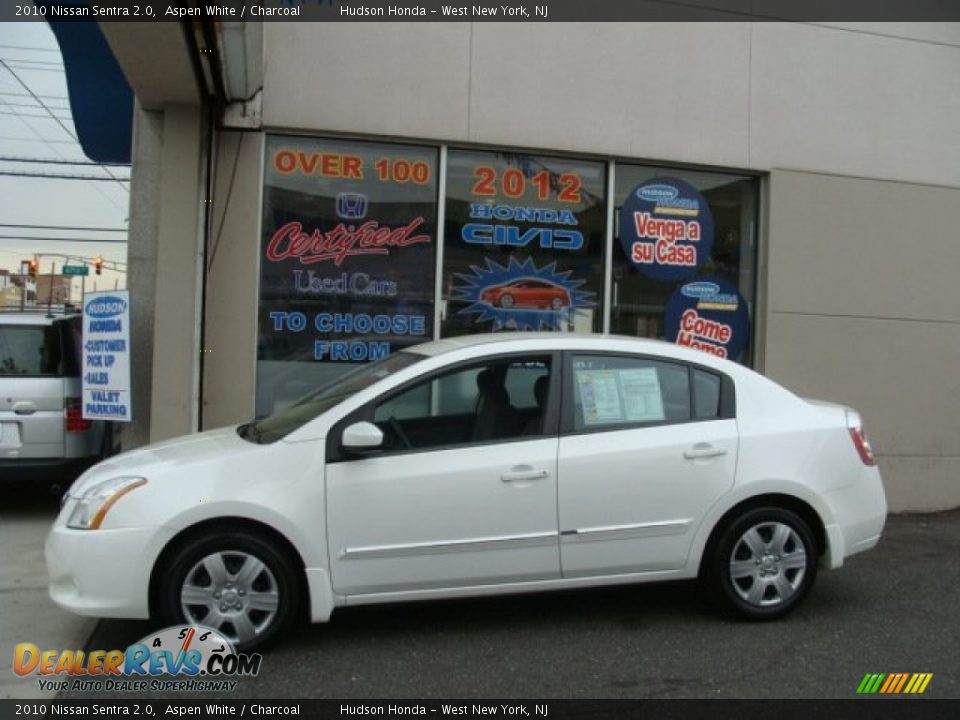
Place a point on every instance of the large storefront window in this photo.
(348, 259)
(684, 258)
(350, 240)
(523, 245)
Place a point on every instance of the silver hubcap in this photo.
(232, 592)
(768, 564)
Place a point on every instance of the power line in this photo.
(51, 143)
(44, 116)
(64, 227)
(28, 47)
(37, 139)
(34, 62)
(55, 161)
(45, 97)
(34, 69)
(34, 106)
(63, 176)
(59, 121)
(62, 239)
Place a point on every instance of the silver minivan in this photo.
(43, 435)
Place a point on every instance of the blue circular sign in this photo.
(666, 229)
(709, 314)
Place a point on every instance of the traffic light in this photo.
(32, 266)
(98, 265)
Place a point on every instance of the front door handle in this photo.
(523, 473)
(701, 451)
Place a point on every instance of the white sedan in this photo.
(473, 466)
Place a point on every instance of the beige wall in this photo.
(873, 100)
(232, 280)
(863, 308)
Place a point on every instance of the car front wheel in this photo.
(764, 563)
(235, 582)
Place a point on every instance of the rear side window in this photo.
(706, 395)
(613, 390)
(30, 350)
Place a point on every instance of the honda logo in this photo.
(351, 205)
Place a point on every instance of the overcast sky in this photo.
(27, 131)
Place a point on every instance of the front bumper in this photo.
(103, 573)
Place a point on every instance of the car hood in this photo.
(166, 455)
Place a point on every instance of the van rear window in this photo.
(29, 350)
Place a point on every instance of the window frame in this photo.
(728, 409)
(365, 413)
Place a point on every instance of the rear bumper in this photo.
(860, 511)
(37, 470)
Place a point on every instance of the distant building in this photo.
(62, 289)
(12, 290)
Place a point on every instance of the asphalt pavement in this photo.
(893, 609)
(27, 614)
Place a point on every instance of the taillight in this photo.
(73, 420)
(859, 438)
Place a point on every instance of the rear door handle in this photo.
(24, 408)
(523, 474)
(701, 451)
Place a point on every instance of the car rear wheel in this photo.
(764, 563)
(235, 582)
(556, 303)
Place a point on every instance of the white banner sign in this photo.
(106, 355)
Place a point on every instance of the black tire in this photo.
(768, 585)
(506, 301)
(233, 546)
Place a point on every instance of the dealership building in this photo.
(310, 196)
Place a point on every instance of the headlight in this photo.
(93, 505)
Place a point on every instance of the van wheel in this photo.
(235, 582)
(764, 563)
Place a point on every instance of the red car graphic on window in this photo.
(527, 293)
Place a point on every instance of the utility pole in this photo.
(53, 267)
(23, 286)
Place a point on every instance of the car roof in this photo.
(562, 340)
(28, 318)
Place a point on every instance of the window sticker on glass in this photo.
(600, 396)
(642, 396)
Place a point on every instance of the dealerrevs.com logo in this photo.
(198, 659)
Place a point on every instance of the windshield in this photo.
(282, 423)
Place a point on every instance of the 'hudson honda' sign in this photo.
(106, 355)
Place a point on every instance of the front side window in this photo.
(282, 423)
(611, 391)
(501, 399)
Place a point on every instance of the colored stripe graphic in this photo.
(894, 683)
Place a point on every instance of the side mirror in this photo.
(361, 437)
